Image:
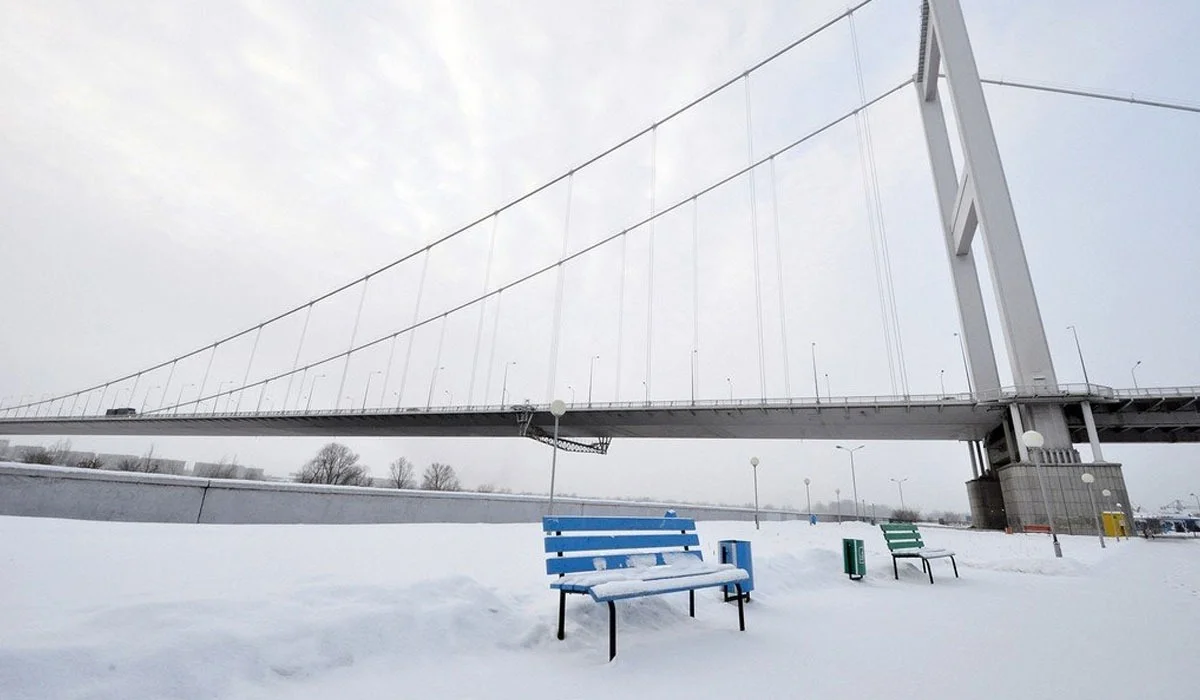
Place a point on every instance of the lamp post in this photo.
(729, 381)
(808, 499)
(646, 391)
(432, 382)
(816, 386)
(217, 397)
(838, 495)
(1090, 479)
(592, 373)
(557, 409)
(1197, 503)
(572, 390)
(312, 389)
(146, 398)
(942, 380)
(853, 478)
(966, 368)
(178, 399)
(900, 485)
(1081, 363)
(504, 385)
(449, 397)
(367, 390)
(692, 358)
(828, 392)
(754, 465)
(1034, 440)
(1133, 373)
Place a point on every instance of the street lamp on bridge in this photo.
(367, 390)
(591, 374)
(729, 381)
(962, 348)
(312, 389)
(432, 381)
(1133, 373)
(504, 384)
(1080, 353)
(853, 478)
(146, 398)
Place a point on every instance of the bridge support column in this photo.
(1022, 499)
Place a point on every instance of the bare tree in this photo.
(56, 454)
(400, 474)
(92, 462)
(486, 488)
(334, 464)
(38, 455)
(440, 477)
(136, 464)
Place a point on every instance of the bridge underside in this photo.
(1149, 419)
(962, 420)
(1143, 419)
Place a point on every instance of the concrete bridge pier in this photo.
(1006, 492)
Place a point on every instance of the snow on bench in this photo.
(614, 559)
(904, 541)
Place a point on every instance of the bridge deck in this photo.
(1121, 416)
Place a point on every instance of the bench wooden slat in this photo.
(573, 565)
(597, 543)
(598, 523)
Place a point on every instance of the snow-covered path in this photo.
(125, 610)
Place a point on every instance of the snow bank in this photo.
(124, 610)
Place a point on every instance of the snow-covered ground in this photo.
(130, 611)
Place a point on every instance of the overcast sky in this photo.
(173, 172)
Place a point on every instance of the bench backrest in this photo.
(900, 536)
(584, 543)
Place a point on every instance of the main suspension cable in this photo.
(510, 204)
(1096, 94)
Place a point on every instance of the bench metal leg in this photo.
(895, 569)
(929, 568)
(741, 608)
(955, 567)
(612, 630)
(692, 603)
(562, 614)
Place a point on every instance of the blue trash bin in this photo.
(737, 552)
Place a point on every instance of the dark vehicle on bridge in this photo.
(121, 412)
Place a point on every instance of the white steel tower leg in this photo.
(983, 199)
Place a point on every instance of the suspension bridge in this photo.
(341, 363)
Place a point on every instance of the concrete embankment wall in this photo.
(85, 494)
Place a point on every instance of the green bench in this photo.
(904, 541)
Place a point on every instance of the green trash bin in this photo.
(854, 559)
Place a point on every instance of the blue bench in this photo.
(614, 559)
